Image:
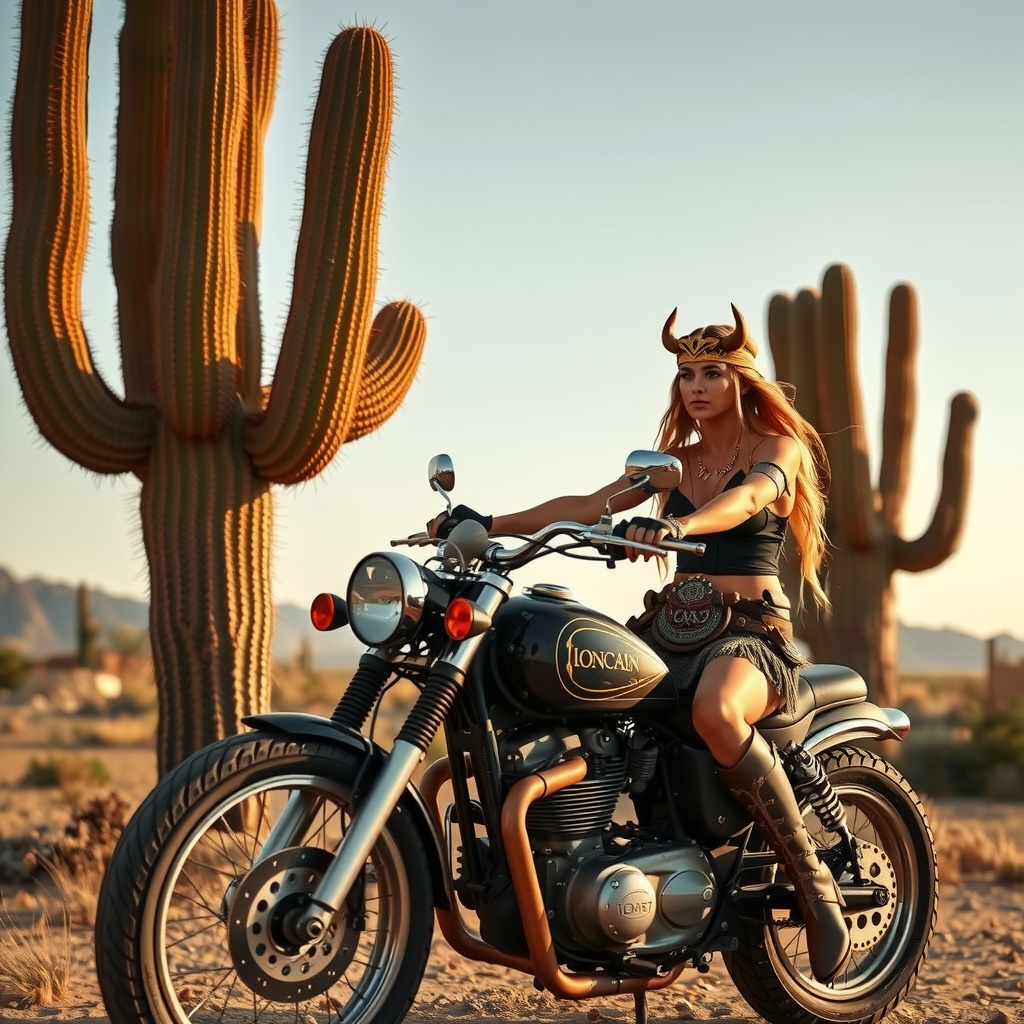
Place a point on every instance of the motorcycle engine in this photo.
(610, 888)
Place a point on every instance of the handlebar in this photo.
(476, 544)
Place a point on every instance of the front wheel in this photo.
(771, 969)
(192, 923)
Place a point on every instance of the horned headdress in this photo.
(705, 345)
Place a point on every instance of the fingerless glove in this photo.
(460, 514)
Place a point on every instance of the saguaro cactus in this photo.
(813, 339)
(87, 629)
(195, 425)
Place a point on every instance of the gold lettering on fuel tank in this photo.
(591, 656)
(616, 661)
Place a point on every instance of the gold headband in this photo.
(737, 348)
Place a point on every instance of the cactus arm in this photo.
(197, 283)
(392, 359)
(842, 414)
(780, 335)
(942, 536)
(261, 57)
(46, 245)
(792, 332)
(144, 53)
(315, 388)
(900, 404)
(807, 311)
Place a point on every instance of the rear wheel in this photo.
(770, 968)
(193, 925)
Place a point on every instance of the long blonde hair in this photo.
(766, 409)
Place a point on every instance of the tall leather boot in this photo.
(761, 784)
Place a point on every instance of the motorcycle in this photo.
(297, 869)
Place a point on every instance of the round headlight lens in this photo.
(386, 596)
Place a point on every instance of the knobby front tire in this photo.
(770, 968)
(188, 931)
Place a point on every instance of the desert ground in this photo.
(974, 973)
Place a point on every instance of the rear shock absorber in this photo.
(810, 783)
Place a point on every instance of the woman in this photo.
(751, 467)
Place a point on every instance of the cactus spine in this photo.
(195, 425)
(813, 339)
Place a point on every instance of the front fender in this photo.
(860, 721)
(304, 726)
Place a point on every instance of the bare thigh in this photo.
(731, 695)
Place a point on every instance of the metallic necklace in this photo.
(705, 474)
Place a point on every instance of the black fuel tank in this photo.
(553, 657)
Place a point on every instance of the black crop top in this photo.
(752, 548)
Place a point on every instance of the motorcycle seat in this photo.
(821, 686)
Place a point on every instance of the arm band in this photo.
(775, 474)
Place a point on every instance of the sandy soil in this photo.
(974, 973)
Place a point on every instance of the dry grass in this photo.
(79, 890)
(35, 970)
(965, 852)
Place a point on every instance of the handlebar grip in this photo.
(616, 553)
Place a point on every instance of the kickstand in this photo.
(640, 1005)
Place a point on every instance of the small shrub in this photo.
(14, 668)
(74, 775)
(90, 837)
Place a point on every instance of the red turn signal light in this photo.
(327, 612)
(463, 619)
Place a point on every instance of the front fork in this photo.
(425, 719)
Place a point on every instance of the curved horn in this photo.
(735, 341)
(668, 339)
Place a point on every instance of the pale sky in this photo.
(563, 174)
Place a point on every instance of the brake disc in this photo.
(868, 925)
(267, 898)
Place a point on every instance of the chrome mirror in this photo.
(655, 469)
(441, 474)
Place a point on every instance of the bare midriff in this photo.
(746, 586)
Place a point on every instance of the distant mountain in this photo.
(39, 618)
(946, 650)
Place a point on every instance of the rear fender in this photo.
(304, 726)
(860, 721)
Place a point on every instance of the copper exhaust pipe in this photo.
(531, 902)
(453, 927)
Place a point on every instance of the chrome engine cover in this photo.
(651, 900)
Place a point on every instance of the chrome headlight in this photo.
(386, 598)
